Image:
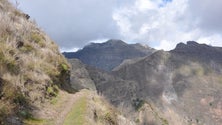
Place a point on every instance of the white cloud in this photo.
(99, 40)
(166, 25)
(166, 45)
(73, 23)
(211, 40)
(62, 49)
(157, 23)
(154, 25)
(143, 5)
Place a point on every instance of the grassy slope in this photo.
(31, 67)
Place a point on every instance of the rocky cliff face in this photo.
(110, 54)
(79, 77)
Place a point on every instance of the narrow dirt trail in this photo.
(66, 107)
(55, 114)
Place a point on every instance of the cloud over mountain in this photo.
(159, 23)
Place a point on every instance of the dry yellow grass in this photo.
(30, 63)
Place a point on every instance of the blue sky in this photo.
(158, 23)
(167, 0)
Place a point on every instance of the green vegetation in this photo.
(36, 37)
(34, 122)
(137, 121)
(27, 48)
(7, 59)
(64, 67)
(198, 70)
(25, 114)
(39, 39)
(54, 100)
(52, 91)
(77, 115)
(155, 113)
(138, 103)
(12, 67)
(5, 110)
(164, 121)
(20, 99)
(110, 117)
(197, 120)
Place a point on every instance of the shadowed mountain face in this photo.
(179, 87)
(184, 84)
(110, 54)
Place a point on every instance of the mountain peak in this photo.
(192, 43)
(199, 51)
(188, 44)
(109, 54)
(115, 41)
(109, 43)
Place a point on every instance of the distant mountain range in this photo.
(178, 87)
(110, 54)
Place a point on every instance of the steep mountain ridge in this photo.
(185, 81)
(110, 54)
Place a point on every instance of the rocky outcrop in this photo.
(79, 78)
